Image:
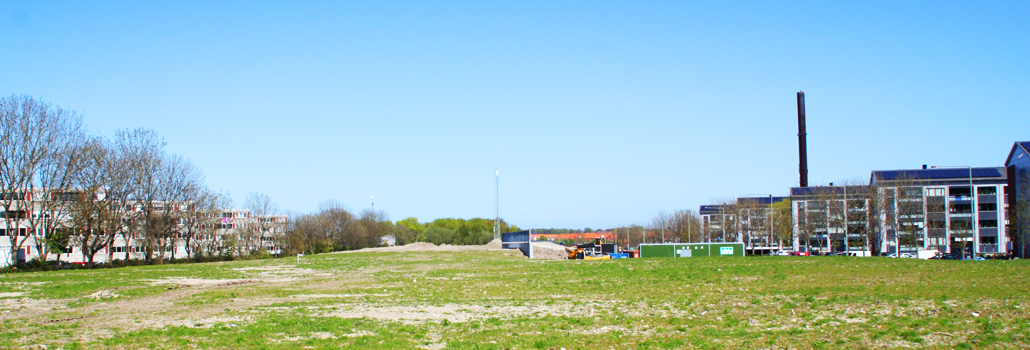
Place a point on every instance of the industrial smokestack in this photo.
(802, 145)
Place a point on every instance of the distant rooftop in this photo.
(938, 174)
(761, 200)
(816, 190)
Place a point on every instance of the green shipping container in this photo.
(690, 250)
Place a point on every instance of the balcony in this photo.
(988, 248)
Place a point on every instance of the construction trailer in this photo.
(690, 250)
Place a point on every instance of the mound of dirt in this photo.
(430, 247)
(549, 251)
(494, 244)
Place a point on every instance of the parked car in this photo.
(799, 254)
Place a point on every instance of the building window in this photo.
(961, 208)
(910, 192)
(988, 207)
(987, 190)
(988, 223)
(935, 192)
(960, 191)
(13, 196)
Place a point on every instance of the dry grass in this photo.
(497, 299)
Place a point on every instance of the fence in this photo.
(518, 240)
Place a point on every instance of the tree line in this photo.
(65, 187)
(335, 228)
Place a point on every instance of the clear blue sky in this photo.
(596, 114)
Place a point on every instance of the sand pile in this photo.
(550, 251)
(494, 244)
(430, 247)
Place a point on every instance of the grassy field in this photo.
(499, 300)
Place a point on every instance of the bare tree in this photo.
(143, 154)
(200, 220)
(263, 225)
(376, 225)
(685, 226)
(660, 224)
(909, 213)
(180, 183)
(782, 223)
(53, 182)
(33, 136)
(89, 212)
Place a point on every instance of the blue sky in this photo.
(596, 114)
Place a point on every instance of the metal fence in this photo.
(518, 240)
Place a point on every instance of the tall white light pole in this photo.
(497, 204)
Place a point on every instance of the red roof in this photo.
(592, 235)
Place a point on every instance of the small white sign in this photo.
(726, 250)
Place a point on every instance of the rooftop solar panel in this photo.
(937, 173)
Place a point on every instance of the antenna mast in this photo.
(497, 204)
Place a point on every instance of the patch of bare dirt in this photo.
(457, 313)
(199, 282)
(549, 251)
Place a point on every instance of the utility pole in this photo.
(497, 204)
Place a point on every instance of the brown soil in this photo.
(549, 251)
(429, 247)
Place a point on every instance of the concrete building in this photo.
(1018, 172)
(718, 223)
(749, 220)
(756, 223)
(224, 232)
(829, 219)
(950, 210)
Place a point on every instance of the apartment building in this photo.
(950, 210)
(718, 223)
(1018, 172)
(233, 231)
(749, 220)
(829, 219)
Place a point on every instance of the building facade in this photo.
(1017, 167)
(758, 222)
(31, 224)
(949, 210)
(830, 219)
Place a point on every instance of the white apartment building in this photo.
(232, 231)
(951, 210)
